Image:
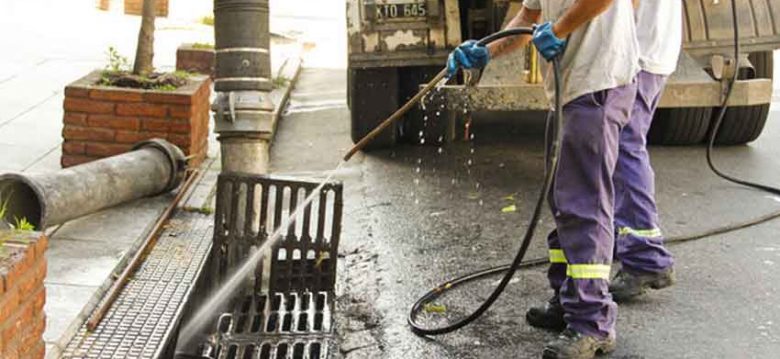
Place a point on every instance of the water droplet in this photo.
(419, 160)
(468, 163)
(442, 106)
(477, 185)
(417, 169)
(416, 201)
(422, 141)
(421, 134)
(441, 150)
(454, 181)
(472, 151)
(471, 137)
(441, 138)
(481, 202)
(438, 113)
(465, 111)
(425, 118)
(416, 181)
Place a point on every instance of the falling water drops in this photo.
(440, 150)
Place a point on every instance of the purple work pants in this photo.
(639, 240)
(583, 204)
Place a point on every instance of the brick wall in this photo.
(102, 121)
(103, 4)
(22, 295)
(202, 61)
(135, 7)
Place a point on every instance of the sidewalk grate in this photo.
(141, 321)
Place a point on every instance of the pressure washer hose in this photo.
(552, 163)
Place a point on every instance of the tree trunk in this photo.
(144, 53)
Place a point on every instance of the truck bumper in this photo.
(677, 94)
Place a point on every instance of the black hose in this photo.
(529, 233)
(722, 115)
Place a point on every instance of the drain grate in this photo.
(286, 312)
(141, 320)
(250, 207)
(293, 325)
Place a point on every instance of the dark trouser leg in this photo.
(583, 205)
(640, 242)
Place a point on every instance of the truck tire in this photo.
(417, 129)
(679, 126)
(372, 96)
(744, 124)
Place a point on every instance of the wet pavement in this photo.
(417, 215)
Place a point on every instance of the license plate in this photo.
(398, 11)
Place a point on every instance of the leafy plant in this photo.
(3, 209)
(165, 87)
(202, 45)
(22, 224)
(207, 20)
(116, 62)
(281, 81)
(182, 75)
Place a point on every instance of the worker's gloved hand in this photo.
(469, 55)
(548, 44)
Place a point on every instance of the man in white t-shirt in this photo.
(599, 62)
(645, 263)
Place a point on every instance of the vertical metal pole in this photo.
(244, 111)
(243, 83)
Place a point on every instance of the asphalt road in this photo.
(417, 215)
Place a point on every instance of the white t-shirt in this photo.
(659, 30)
(600, 55)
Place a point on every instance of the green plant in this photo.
(182, 75)
(165, 87)
(22, 224)
(202, 210)
(116, 62)
(203, 45)
(3, 210)
(207, 20)
(281, 81)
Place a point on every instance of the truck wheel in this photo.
(421, 127)
(372, 97)
(679, 126)
(744, 124)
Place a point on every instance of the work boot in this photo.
(573, 345)
(626, 285)
(549, 316)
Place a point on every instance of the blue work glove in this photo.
(469, 55)
(549, 45)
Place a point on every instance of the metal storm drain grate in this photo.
(141, 321)
(285, 311)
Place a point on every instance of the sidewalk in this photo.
(61, 42)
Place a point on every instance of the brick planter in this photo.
(102, 121)
(22, 294)
(192, 59)
(104, 5)
(136, 7)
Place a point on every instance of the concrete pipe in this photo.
(46, 199)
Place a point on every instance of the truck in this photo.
(394, 46)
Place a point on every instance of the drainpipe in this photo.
(243, 84)
(51, 198)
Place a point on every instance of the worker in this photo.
(645, 263)
(599, 56)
